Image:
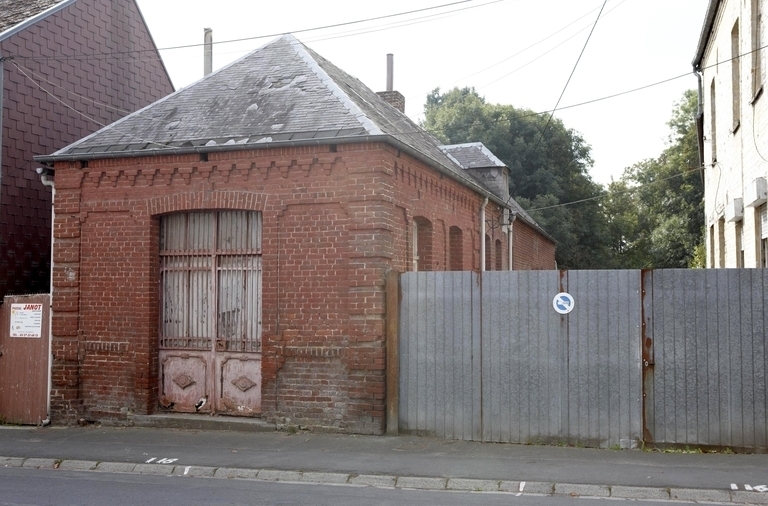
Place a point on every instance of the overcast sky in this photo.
(517, 52)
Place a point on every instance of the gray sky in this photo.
(517, 52)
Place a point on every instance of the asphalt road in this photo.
(43, 487)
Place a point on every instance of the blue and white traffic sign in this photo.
(563, 303)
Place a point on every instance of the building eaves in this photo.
(706, 32)
(17, 15)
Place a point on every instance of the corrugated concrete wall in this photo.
(440, 354)
(488, 358)
(708, 381)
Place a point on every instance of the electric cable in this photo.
(335, 25)
(607, 194)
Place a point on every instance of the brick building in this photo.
(733, 125)
(47, 104)
(224, 250)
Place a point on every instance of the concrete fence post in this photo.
(393, 351)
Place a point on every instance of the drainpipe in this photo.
(47, 180)
(482, 234)
(700, 118)
(510, 238)
(700, 79)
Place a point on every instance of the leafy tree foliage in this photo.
(656, 209)
(652, 217)
(548, 164)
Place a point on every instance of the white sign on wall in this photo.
(27, 320)
(563, 303)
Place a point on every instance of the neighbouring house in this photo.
(224, 250)
(733, 132)
(66, 69)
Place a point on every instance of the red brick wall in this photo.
(334, 222)
(531, 250)
(34, 123)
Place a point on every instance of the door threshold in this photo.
(196, 421)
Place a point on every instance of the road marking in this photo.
(186, 470)
(522, 486)
(161, 461)
(750, 488)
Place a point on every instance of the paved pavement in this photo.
(196, 446)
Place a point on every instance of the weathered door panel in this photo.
(24, 361)
(184, 381)
(239, 384)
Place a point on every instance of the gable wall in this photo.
(35, 123)
(334, 222)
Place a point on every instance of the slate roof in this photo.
(13, 12)
(472, 155)
(280, 94)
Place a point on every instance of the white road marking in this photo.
(734, 486)
(186, 470)
(522, 486)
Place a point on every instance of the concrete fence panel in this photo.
(666, 356)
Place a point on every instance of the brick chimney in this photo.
(393, 98)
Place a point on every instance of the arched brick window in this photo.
(210, 311)
(456, 249)
(422, 242)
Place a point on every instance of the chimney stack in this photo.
(393, 98)
(207, 52)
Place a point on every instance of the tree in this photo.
(657, 205)
(549, 166)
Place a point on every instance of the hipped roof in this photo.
(282, 94)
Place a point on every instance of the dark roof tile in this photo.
(281, 92)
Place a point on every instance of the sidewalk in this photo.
(403, 461)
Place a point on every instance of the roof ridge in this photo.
(348, 102)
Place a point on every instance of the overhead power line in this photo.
(573, 71)
(256, 37)
(608, 194)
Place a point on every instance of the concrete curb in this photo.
(402, 482)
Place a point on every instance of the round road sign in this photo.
(563, 303)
